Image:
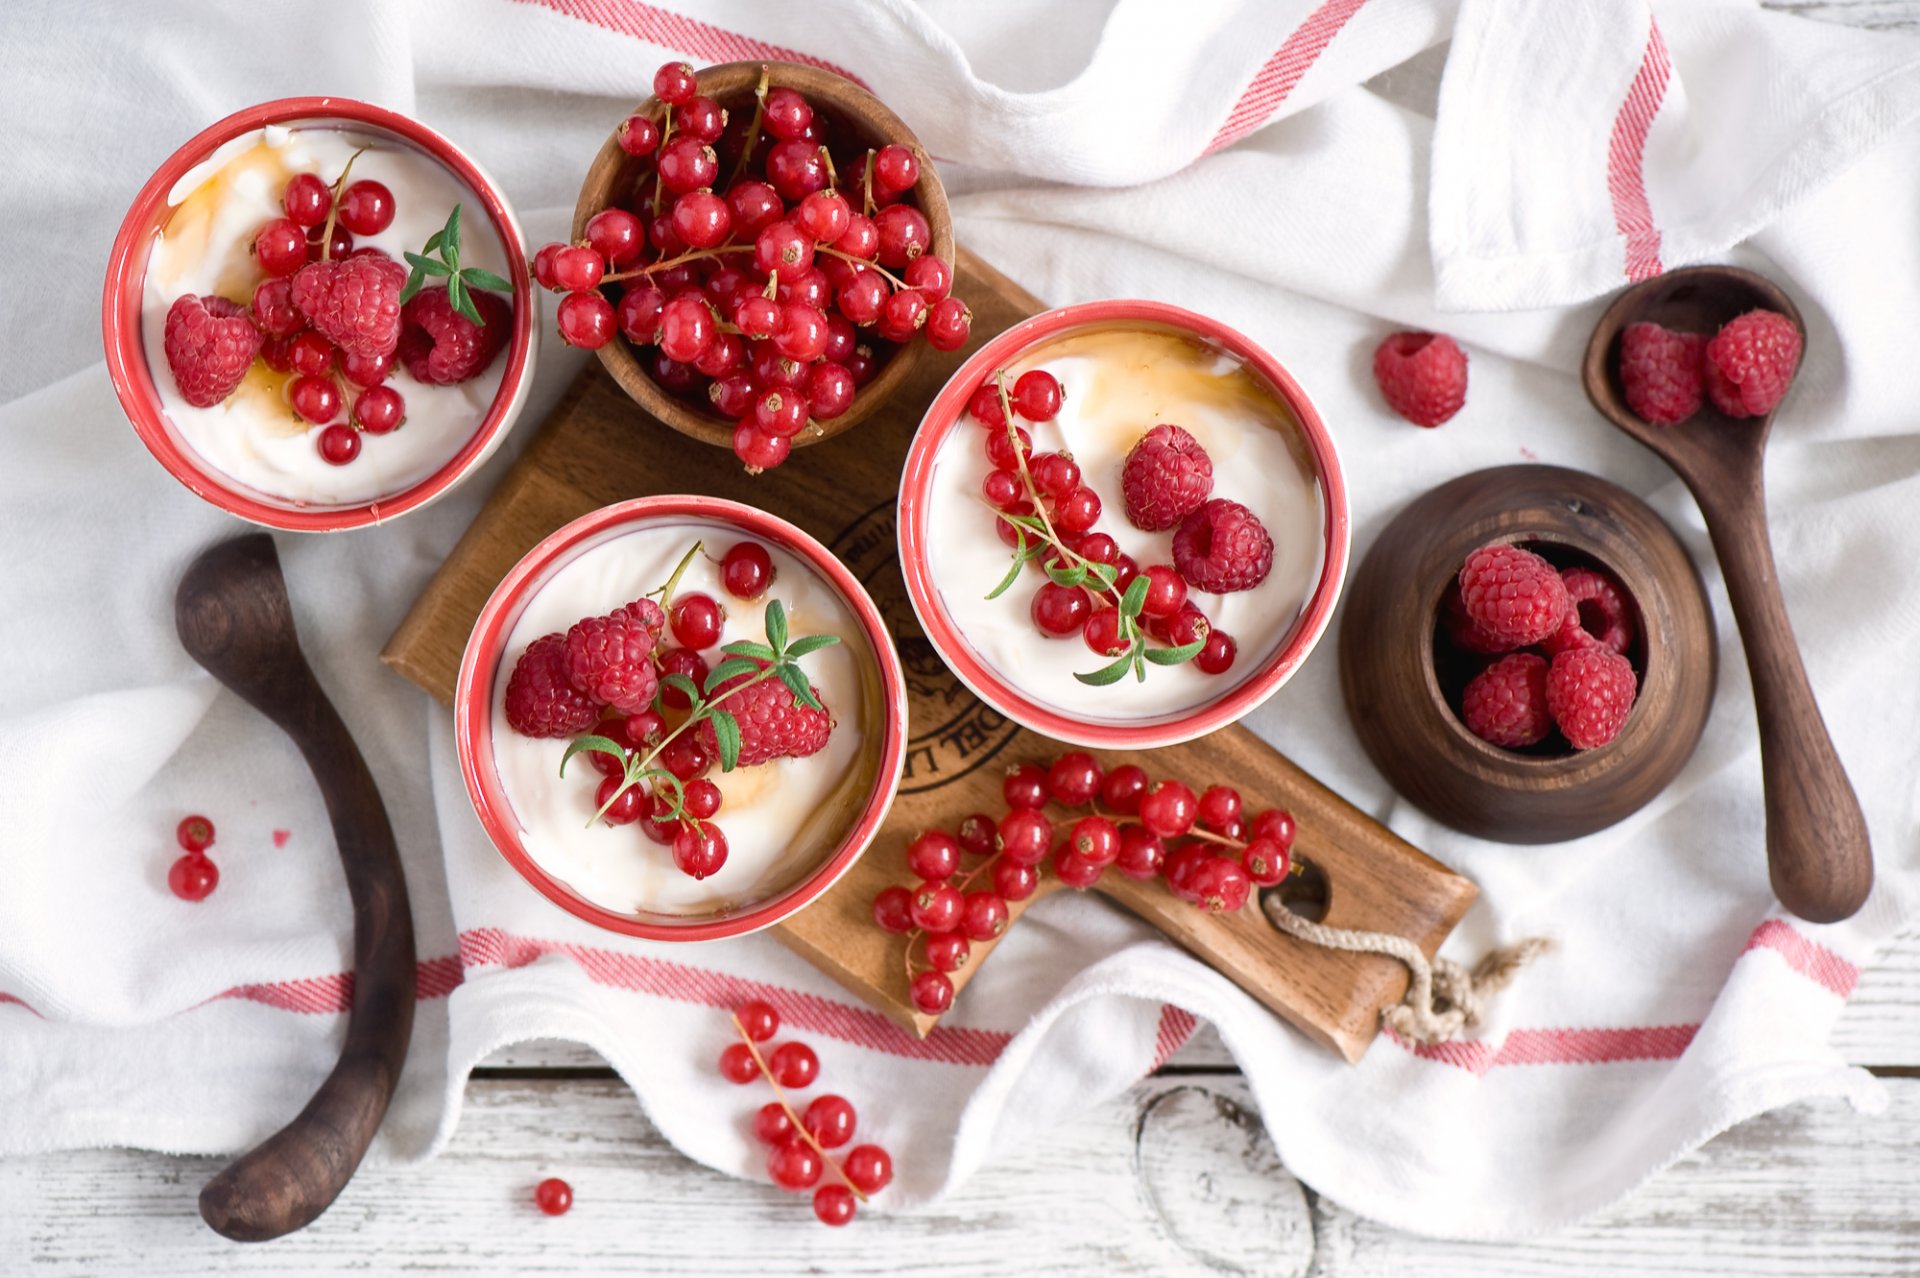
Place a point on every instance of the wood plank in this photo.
(1177, 1176)
(598, 447)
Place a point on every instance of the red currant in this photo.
(780, 412)
(1217, 653)
(786, 114)
(686, 164)
(614, 235)
(1026, 786)
(366, 207)
(1059, 610)
(273, 310)
(1014, 881)
(639, 313)
(865, 362)
(1056, 474)
(893, 910)
(1103, 632)
(661, 825)
(685, 757)
(638, 135)
(315, 398)
(586, 320)
(936, 906)
(771, 1124)
(733, 395)
(830, 390)
(932, 992)
(895, 168)
(1036, 396)
(1266, 861)
(746, 570)
(365, 370)
(862, 298)
(1075, 870)
(306, 200)
(643, 730)
(674, 83)
(1025, 837)
(194, 833)
(674, 377)
(796, 168)
(310, 354)
(700, 853)
(1180, 867)
(947, 951)
(755, 206)
(1275, 824)
(1078, 511)
(1221, 884)
(801, 333)
(687, 327)
(861, 238)
(758, 449)
(830, 1120)
(793, 1065)
(697, 620)
(841, 339)
(701, 798)
(737, 1064)
(608, 765)
(1169, 809)
(930, 276)
(902, 315)
(623, 810)
(794, 1165)
(1219, 807)
(1004, 451)
(1166, 591)
(681, 661)
(1189, 625)
(949, 322)
(903, 234)
(1075, 778)
(1095, 838)
(758, 1019)
(986, 408)
(701, 219)
(1009, 532)
(985, 916)
(700, 118)
(338, 444)
(934, 855)
(782, 247)
(756, 317)
(193, 877)
(578, 268)
(825, 215)
(834, 1205)
(1141, 854)
(552, 1195)
(1123, 788)
(868, 1167)
(336, 246)
(281, 247)
(379, 409)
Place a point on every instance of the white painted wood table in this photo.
(1176, 1177)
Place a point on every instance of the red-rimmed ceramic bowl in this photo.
(132, 371)
(480, 667)
(1266, 669)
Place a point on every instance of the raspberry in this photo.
(1463, 631)
(354, 302)
(1507, 702)
(610, 660)
(773, 723)
(1749, 364)
(1590, 689)
(1660, 370)
(209, 345)
(440, 346)
(1422, 375)
(1166, 475)
(1514, 594)
(1222, 546)
(540, 700)
(1597, 613)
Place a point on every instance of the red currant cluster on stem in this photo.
(194, 876)
(1132, 616)
(797, 1156)
(1205, 847)
(768, 299)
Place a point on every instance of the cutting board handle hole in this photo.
(1307, 893)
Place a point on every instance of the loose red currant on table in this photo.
(794, 1165)
(977, 834)
(932, 992)
(1266, 861)
(771, 1124)
(936, 906)
(1014, 881)
(934, 855)
(893, 910)
(947, 951)
(1276, 825)
(1026, 786)
(1219, 807)
(985, 917)
(1025, 837)
(366, 208)
(1096, 839)
(737, 1064)
(1141, 854)
(1123, 788)
(833, 1204)
(1168, 809)
(793, 1065)
(830, 1120)
(193, 877)
(758, 1020)
(553, 1196)
(194, 833)
(869, 1168)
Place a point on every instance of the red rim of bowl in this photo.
(1254, 687)
(479, 668)
(132, 374)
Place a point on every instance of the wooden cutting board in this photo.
(599, 447)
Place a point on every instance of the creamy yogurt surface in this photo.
(1118, 383)
(781, 818)
(253, 437)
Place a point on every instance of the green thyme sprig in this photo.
(461, 280)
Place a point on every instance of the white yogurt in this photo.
(253, 437)
(781, 818)
(1119, 382)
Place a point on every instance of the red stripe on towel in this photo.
(1176, 1027)
(1626, 156)
(1277, 77)
(691, 36)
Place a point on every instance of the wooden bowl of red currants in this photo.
(761, 252)
(1528, 736)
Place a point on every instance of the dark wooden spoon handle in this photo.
(234, 618)
(1818, 854)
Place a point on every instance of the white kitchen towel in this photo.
(1283, 159)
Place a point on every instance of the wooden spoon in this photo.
(1817, 851)
(234, 618)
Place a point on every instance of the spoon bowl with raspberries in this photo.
(1694, 364)
(760, 254)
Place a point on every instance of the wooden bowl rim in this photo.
(849, 102)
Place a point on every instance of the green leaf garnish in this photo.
(730, 668)
(481, 277)
(598, 745)
(1175, 656)
(726, 735)
(810, 643)
(1013, 574)
(461, 281)
(1106, 674)
(684, 684)
(1076, 575)
(1134, 599)
(777, 627)
(747, 648)
(796, 682)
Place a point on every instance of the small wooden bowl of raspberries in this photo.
(1527, 654)
(701, 224)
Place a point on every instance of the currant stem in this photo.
(665, 589)
(753, 130)
(780, 1095)
(844, 256)
(693, 255)
(866, 183)
(666, 136)
(333, 210)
